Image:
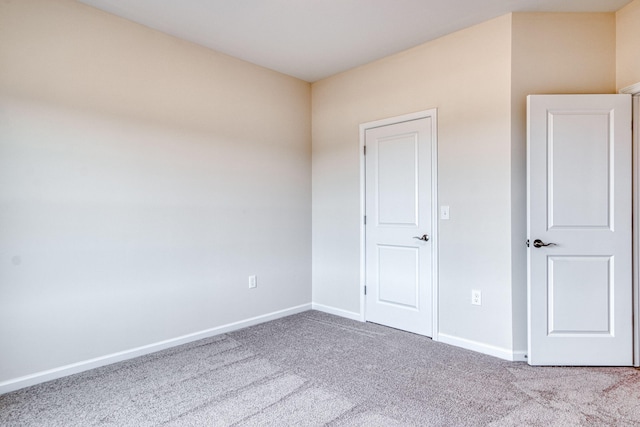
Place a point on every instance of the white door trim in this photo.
(634, 90)
(433, 114)
(631, 90)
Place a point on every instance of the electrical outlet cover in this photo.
(476, 297)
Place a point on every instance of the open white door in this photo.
(399, 219)
(579, 225)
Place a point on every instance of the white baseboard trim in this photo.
(520, 356)
(483, 348)
(337, 311)
(74, 368)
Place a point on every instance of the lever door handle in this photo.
(539, 243)
(424, 238)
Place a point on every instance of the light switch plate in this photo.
(444, 212)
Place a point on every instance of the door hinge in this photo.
(365, 150)
(365, 290)
(365, 220)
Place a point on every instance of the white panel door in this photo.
(579, 203)
(399, 221)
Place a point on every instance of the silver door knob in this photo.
(539, 243)
(425, 237)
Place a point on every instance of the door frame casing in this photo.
(634, 91)
(433, 115)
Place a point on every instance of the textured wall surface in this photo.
(466, 76)
(142, 180)
(628, 45)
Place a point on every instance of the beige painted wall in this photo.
(142, 180)
(628, 45)
(551, 53)
(478, 79)
(466, 75)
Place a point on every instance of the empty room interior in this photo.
(166, 182)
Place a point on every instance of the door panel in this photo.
(579, 194)
(398, 209)
(579, 295)
(579, 197)
(397, 179)
(398, 276)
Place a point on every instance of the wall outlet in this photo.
(253, 282)
(476, 297)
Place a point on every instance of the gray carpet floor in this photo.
(315, 369)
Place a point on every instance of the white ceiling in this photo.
(313, 39)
